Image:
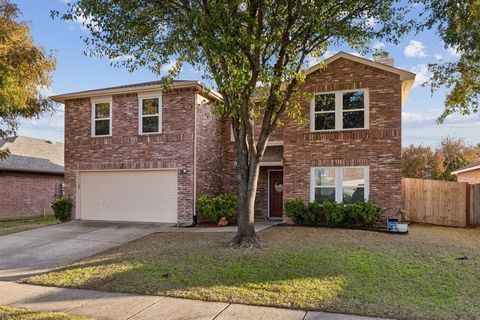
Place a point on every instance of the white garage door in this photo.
(137, 195)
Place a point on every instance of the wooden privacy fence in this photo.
(441, 202)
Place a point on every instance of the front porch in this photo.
(269, 200)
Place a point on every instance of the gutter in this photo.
(194, 222)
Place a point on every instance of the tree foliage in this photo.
(458, 25)
(438, 163)
(238, 44)
(24, 70)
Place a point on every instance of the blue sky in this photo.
(76, 72)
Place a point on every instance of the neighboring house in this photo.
(135, 153)
(470, 174)
(30, 177)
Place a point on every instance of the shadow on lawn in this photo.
(318, 270)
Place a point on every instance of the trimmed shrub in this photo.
(216, 207)
(334, 213)
(369, 213)
(353, 212)
(62, 208)
(314, 213)
(295, 209)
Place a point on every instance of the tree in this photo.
(24, 70)
(437, 164)
(456, 154)
(239, 44)
(458, 25)
(421, 163)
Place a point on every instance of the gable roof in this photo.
(137, 87)
(471, 167)
(32, 155)
(406, 77)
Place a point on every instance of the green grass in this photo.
(9, 313)
(416, 276)
(12, 226)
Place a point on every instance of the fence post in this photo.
(468, 221)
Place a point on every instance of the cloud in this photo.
(453, 52)
(123, 57)
(416, 117)
(379, 45)
(169, 66)
(438, 56)
(83, 22)
(415, 49)
(422, 74)
(311, 61)
(355, 54)
(371, 22)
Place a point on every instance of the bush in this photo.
(334, 213)
(369, 213)
(314, 213)
(217, 207)
(62, 208)
(295, 209)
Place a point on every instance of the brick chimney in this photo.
(383, 57)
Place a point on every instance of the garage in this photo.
(128, 195)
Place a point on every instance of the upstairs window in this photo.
(101, 118)
(341, 110)
(150, 119)
(340, 184)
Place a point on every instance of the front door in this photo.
(276, 194)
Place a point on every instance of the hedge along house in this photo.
(30, 177)
(137, 153)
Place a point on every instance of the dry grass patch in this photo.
(9, 313)
(416, 276)
(13, 226)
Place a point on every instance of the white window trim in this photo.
(339, 111)
(149, 95)
(95, 101)
(339, 182)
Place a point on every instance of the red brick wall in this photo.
(209, 150)
(379, 147)
(24, 194)
(126, 149)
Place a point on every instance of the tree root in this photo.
(244, 242)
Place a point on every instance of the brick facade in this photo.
(127, 149)
(472, 177)
(193, 137)
(27, 194)
(378, 147)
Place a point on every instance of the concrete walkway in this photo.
(106, 305)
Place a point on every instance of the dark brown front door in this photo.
(276, 194)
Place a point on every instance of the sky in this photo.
(77, 72)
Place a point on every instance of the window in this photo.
(341, 110)
(101, 117)
(150, 110)
(340, 184)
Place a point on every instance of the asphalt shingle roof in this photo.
(33, 155)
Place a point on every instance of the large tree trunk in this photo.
(247, 189)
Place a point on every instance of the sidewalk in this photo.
(106, 305)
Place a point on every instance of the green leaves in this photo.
(24, 70)
(458, 25)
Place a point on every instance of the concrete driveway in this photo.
(25, 253)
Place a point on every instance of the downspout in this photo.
(194, 222)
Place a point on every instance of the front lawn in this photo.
(9, 313)
(12, 226)
(415, 276)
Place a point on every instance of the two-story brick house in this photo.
(135, 153)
